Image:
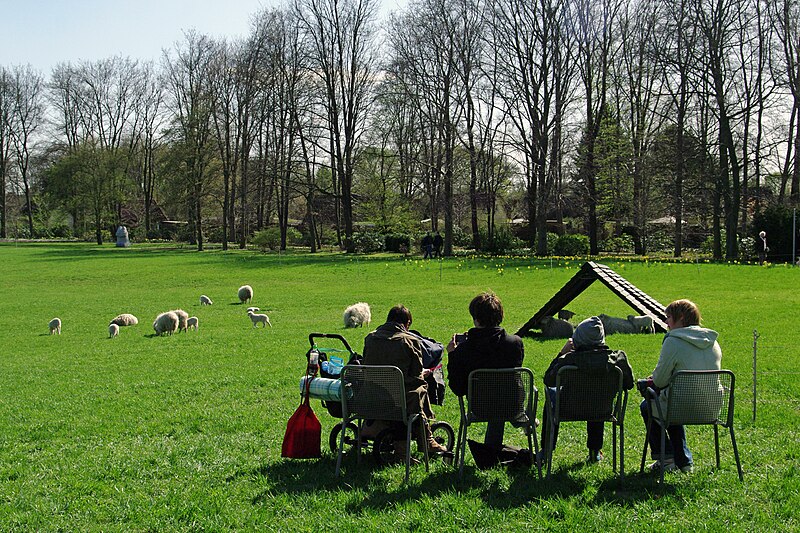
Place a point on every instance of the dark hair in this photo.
(684, 310)
(487, 309)
(399, 313)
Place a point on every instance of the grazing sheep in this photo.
(357, 315)
(183, 316)
(125, 319)
(565, 314)
(166, 323)
(245, 293)
(259, 319)
(556, 328)
(192, 322)
(205, 300)
(642, 324)
(253, 309)
(113, 330)
(55, 326)
(612, 324)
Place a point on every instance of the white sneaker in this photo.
(688, 469)
(668, 465)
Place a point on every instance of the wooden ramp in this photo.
(588, 274)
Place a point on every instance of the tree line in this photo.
(606, 113)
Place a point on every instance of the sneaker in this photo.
(595, 456)
(687, 469)
(668, 465)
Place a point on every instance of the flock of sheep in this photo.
(170, 322)
(561, 328)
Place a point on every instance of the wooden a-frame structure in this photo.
(588, 274)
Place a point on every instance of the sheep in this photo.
(259, 319)
(556, 328)
(125, 319)
(166, 323)
(245, 293)
(55, 326)
(565, 314)
(113, 330)
(612, 324)
(192, 322)
(357, 315)
(642, 324)
(183, 316)
(205, 300)
(253, 309)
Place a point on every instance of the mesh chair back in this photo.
(700, 397)
(374, 392)
(500, 394)
(588, 394)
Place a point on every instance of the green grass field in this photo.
(184, 432)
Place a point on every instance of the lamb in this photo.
(55, 326)
(113, 330)
(192, 322)
(357, 315)
(643, 324)
(125, 319)
(166, 323)
(245, 293)
(205, 300)
(259, 319)
(556, 328)
(183, 316)
(612, 324)
(253, 309)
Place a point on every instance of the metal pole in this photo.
(794, 236)
(755, 353)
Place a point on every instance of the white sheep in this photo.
(357, 315)
(205, 300)
(556, 328)
(125, 319)
(113, 330)
(55, 326)
(166, 323)
(183, 316)
(612, 324)
(259, 319)
(642, 324)
(245, 293)
(253, 309)
(192, 322)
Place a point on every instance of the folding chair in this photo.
(588, 395)
(499, 395)
(694, 398)
(377, 393)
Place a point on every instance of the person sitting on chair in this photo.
(586, 349)
(391, 344)
(487, 345)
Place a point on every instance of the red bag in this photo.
(303, 433)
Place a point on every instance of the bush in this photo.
(504, 241)
(393, 242)
(569, 245)
(366, 242)
(267, 239)
(622, 243)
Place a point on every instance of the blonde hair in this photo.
(684, 310)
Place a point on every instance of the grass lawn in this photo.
(184, 432)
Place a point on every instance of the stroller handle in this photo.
(312, 336)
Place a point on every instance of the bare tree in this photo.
(785, 15)
(6, 100)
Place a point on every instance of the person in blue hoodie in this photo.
(686, 346)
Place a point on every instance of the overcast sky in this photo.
(46, 32)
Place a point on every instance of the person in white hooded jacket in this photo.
(686, 346)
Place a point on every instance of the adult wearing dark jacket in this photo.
(586, 349)
(487, 345)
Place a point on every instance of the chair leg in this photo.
(716, 443)
(614, 447)
(646, 444)
(663, 454)
(408, 450)
(621, 451)
(533, 444)
(423, 438)
(736, 454)
(463, 446)
(551, 436)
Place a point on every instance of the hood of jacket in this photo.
(702, 338)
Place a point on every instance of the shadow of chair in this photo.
(588, 395)
(373, 392)
(499, 396)
(694, 398)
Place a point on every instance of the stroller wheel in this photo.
(350, 434)
(383, 448)
(443, 434)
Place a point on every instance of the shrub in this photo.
(366, 242)
(622, 243)
(393, 242)
(503, 241)
(267, 239)
(568, 245)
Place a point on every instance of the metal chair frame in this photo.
(683, 411)
(524, 417)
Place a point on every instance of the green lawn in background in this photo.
(184, 432)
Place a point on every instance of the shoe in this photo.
(687, 469)
(434, 448)
(668, 465)
(595, 456)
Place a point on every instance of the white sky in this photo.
(45, 32)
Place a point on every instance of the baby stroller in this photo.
(328, 390)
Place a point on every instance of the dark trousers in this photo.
(675, 444)
(594, 430)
